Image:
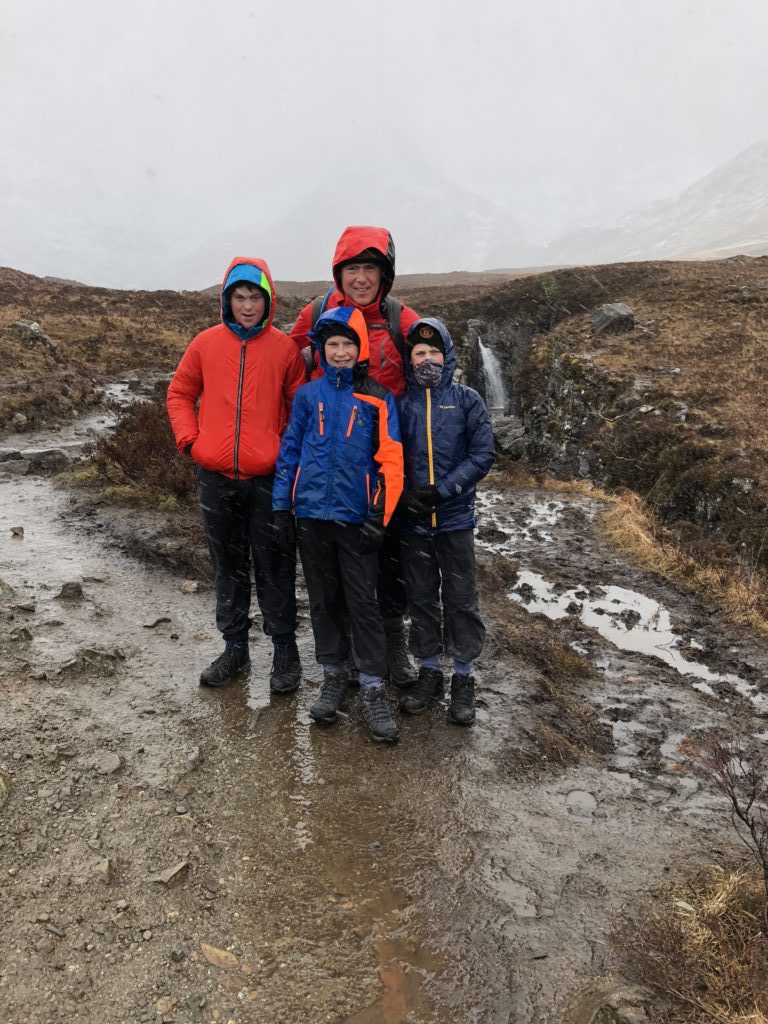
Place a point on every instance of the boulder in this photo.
(612, 318)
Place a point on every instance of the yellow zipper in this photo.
(429, 447)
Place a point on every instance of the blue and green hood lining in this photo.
(247, 270)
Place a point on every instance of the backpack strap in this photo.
(393, 310)
(320, 304)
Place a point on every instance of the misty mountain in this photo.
(722, 214)
(437, 228)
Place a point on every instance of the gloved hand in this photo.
(284, 526)
(371, 537)
(421, 500)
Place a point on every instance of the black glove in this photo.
(284, 526)
(421, 500)
(371, 537)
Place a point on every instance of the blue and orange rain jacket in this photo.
(341, 456)
(447, 440)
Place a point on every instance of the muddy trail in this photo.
(169, 853)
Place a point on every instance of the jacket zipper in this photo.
(320, 417)
(428, 393)
(238, 414)
(352, 420)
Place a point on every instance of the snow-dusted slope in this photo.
(722, 214)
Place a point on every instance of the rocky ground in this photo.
(173, 854)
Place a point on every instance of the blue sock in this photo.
(367, 681)
(333, 669)
(433, 661)
(462, 668)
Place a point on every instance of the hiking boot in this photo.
(462, 709)
(233, 659)
(376, 715)
(428, 687)
(400, 669)
(331, 699)
(286, 669)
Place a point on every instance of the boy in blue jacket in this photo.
(448, 447)
(340, 471)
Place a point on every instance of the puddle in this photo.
(630, 621)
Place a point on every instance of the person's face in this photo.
(340, 351)
(248, 305)
(424, 351)
(361, 282)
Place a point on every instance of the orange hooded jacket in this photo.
(386, 363)
(244, 380)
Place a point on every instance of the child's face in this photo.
(340, 351)
(423, 351)
(248, 305)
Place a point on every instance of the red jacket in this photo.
(245, 382)
(386, 364)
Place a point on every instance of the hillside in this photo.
(722, 214)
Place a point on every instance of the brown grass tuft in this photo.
(700, 945)
(632, 527)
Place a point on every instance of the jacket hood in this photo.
(412, 339)
(253, 271)
(354, 241)
(350, 318)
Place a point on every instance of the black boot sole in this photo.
(217, 684)
(458, 721)
(320, 720)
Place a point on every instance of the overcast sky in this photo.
(135, 131)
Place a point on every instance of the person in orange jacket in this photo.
(363, 275)
(243, 373)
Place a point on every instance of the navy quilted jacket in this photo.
(447, 440)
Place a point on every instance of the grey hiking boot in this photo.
(234, 658)
(462, 709)
(286, 668)
(400, 668)
(376, 714)
(428, 687)
(331, 699)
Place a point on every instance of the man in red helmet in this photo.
(363, 274)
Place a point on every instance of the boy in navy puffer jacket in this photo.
(448, 447)
(340, 470)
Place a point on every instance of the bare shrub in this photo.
(742, 781)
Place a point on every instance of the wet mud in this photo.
(171, 853)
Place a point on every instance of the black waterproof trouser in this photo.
(341, 583)
(438, 568)
(238, 525)
(390, 585)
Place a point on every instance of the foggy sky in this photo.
(134, 132)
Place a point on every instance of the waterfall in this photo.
(495, 395)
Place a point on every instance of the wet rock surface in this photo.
(173, 853)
